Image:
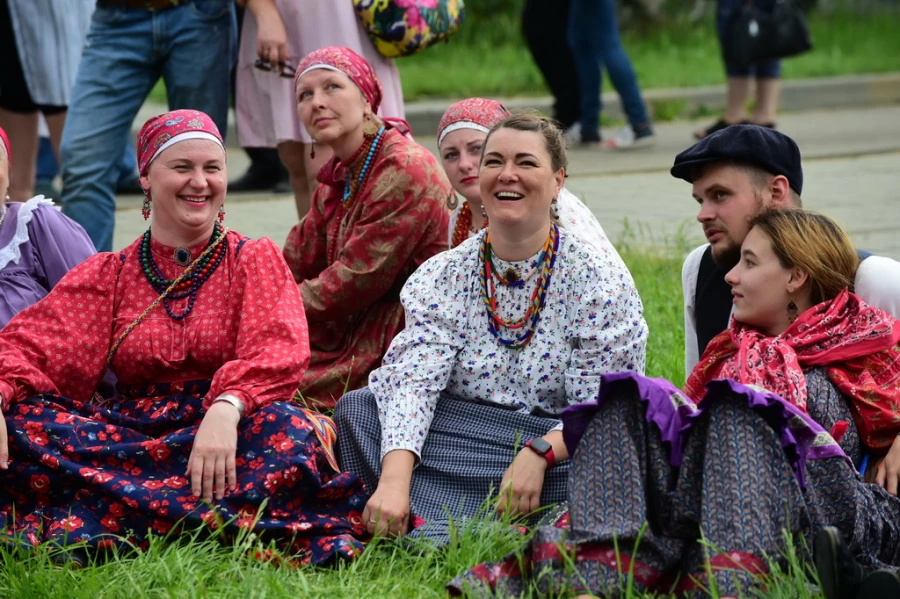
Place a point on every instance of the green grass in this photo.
(489, 57)
(194, 568)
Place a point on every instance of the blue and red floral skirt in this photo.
(112, 475)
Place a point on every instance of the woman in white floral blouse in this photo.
(502, 333)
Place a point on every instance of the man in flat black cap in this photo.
(736, 173)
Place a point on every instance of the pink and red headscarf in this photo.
(5, 142)
(480, 114)
(167, 129)
(346, 61)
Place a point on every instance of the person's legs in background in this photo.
(21, 128)
(46, 167)
(768, 91)
(128, 182)
(199, 54)
(265, 173)
(583, 37)
(594, 38)
(639, 132)
(545, 25)
(737, 91)
(302, 169)
(18, 113)
(116, 74)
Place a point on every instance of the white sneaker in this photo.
(625, 139)
(573, 133)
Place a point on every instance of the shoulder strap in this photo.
(863, 254)
(712, 301)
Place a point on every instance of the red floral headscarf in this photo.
(357, 68)
(162, 131)
(855, 342)
(475, 113)
(5, 141)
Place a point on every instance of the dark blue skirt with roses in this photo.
(111, 475)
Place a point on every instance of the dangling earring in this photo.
(792, 311)
(145, 207)
(312, 152)
(554, 210)
(222, 213)
(370, 128)
(483, 211)
(452, 201)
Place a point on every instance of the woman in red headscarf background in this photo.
(461, 134)
(205, 332)
(276, 34)
(379, 212)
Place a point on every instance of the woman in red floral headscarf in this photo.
(676, 488)
(205, 332)
(379, 212)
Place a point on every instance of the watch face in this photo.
(540, 445)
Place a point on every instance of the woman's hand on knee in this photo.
(212, 460)
(888, 472)
(523, 481)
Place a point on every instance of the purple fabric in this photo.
(667, 408)
(55, 244)
(801, 437)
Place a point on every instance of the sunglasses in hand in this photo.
(284, 68)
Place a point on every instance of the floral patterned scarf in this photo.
(474, 113)
(857, 343)
(164, 130)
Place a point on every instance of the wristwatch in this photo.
(543, 448)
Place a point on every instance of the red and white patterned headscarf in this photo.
(348, 62)
(4, 141)
(167, 129)
(475, 113)
(354, 66)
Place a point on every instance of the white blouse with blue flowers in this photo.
(591, 323)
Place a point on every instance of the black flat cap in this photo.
(771, 150)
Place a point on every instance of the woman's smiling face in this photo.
(517, 179)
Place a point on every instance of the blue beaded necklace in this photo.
(364, 171)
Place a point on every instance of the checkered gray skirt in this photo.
(468, 449)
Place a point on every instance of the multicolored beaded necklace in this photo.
(528, 323)
(464, 224)
(190, 285)
(350, 186)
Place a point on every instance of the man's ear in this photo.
(780, 190)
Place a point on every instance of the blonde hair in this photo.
(814, 244)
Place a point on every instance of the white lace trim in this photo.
(12, 252)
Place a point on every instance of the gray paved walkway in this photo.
(851, 172)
